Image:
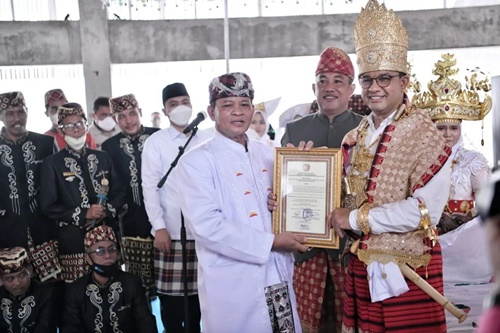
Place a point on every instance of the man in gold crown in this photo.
(397, 176)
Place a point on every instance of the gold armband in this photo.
(425, 220)
(362, 220)
(425, 223)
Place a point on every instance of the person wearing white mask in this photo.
(163, 209)
(71, 181)
(103, 126)
(54, 98)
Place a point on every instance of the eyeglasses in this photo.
(382, 80)
(101, 251)
(72, 126)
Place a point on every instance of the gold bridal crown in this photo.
(447, 101)
(380, 39)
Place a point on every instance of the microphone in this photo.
(199, 118)
(102, 196)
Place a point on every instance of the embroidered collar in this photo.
(75, 153)
(4, 136)
(107, 284)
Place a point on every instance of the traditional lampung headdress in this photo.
(54, 95)
(380, 39)
(447, 101)
(11, 100)
(335, 60)
(69, 109)
(99, 234)
(231, 85)
(121, 103)
(13, 260)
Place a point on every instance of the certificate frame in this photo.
(308, 187)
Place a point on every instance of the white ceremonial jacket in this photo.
(224, 201)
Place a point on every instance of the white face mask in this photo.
(54, 119)
(75, 143)
(106, 124)
(180, 115)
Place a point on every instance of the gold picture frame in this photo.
(308, 188)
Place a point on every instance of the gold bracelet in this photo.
(362, 220)
(425, 220)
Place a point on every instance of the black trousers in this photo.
(172, 313)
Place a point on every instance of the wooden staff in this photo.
(425, 286)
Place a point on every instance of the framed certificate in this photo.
(307, 185)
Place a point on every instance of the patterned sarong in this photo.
(168, 270)
(411, 312)
(74, 266)
(139, 258)
(319, 286)
(280, 309)
(45, 260)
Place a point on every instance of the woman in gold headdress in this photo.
(470, 171)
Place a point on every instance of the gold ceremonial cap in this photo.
(380, 39)
(446, 101)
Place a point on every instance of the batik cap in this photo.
(231, 85)
(173, 90)
(13, 260)
(55, 95)
(69, 109)
(99, 234)
(11, 100)
(122, 103)
(335, 60)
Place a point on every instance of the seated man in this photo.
(27, 305)
(106, 299)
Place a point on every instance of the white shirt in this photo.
(162, 204)
(224, 199)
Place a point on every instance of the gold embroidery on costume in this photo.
(400, 248)
(361, 163)
(396, 183)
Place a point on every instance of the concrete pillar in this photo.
(495, 95)
(95, 51)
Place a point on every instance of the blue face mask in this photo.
(106, 271)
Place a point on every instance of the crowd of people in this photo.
(95, 221)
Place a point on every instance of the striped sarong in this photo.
(411, 312)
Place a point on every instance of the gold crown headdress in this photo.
(381, 40)
(447, 101)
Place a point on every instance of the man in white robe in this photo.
(245, 272)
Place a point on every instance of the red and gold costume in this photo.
(395, 173)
